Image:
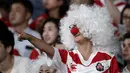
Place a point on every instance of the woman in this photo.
(50, 33)
(125, 20)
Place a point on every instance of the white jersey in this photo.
(25, 65)
(24, 47)
(98, 62)
(50, 62)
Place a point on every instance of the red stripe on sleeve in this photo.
(34, 54)
(15, 52)
(99, 3)
(75, 58)
(63, 55)
(114, 68)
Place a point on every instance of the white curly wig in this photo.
(94, 23)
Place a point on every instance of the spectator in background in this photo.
(50, 32)
(10, 63)
(19, 15)
(125, 20)
(38, 8)
(125, 17)
(4, 12)
(53, 8)
(126, 52)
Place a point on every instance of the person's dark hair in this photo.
(3, 26)
(6, 37)
(127, 6)
(26, 3)
(126, 36)
(56, 22)
(5, 6)
(91, 2)
(63, 8)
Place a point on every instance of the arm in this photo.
(42, 45)
(113, 11)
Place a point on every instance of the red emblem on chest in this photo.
(100, 67)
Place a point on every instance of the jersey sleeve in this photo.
(114, 68)
(60, 55)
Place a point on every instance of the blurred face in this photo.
(18, 14)
(3, 52)
(126, 49)
(3, 13)
(126, 19)
(50, 33)
(52, 4)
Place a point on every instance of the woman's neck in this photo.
(54, 13)
(85, 49)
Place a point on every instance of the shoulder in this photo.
(21, 62)
(60, 46)
(104, 53)
(104, 56)
(25, 65)
(21, 59)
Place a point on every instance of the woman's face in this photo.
(50, 33)
(52, 4)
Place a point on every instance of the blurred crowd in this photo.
(31, 39)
